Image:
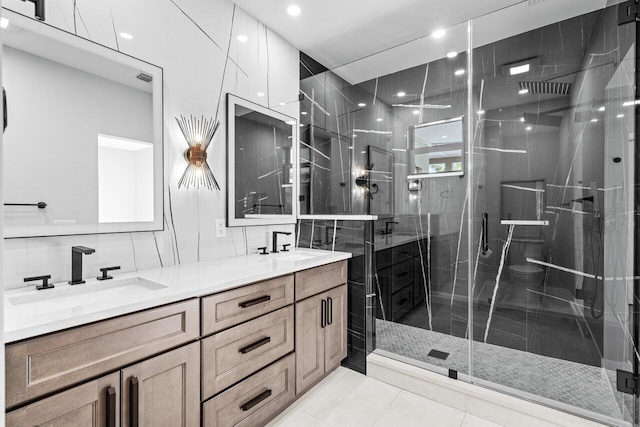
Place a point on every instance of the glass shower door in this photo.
(553, 169)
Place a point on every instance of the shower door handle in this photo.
(485, 232)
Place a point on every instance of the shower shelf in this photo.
(522, 222)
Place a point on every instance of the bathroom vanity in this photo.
(401, 274)
(212, 344)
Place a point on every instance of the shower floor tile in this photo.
(571, 383)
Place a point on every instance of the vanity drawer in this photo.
(403, 252)
(401, 303)
(319, 279)
(231, 355)
(401, 275)
(42, 365)
(230, 308)
(255, 400)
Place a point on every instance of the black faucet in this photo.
(76, 263)
(387, 230)
(274, 240)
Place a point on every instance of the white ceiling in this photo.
(363, 39)
(337, 32)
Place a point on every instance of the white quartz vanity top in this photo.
(29, 313)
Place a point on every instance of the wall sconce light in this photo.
(363, 180)
(198, 134)
(414, 185)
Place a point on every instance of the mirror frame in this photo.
(411, 141)
(232, 221)
(93, 48)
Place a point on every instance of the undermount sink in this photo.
(293, 257)
(99, 292)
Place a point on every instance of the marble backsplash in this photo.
(196, 43)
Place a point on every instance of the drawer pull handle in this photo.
(253, 402)
(403, 274)
(330, 310)
(256, 301)
(111, 407)
(255, 345)
(133, 402)
(323, 315)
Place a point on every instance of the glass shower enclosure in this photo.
(501, 161)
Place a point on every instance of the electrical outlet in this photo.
(221, 229)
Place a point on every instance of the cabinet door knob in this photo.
(111, 407)
(133, 402)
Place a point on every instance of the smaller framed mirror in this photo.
(436, 149)
(261, 171)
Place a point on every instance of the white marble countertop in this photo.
(29, 313)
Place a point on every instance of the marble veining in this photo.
(174, 283)
(196, 43)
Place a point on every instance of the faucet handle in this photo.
(45, 282)
(285, 246)
(104, 272)
(263, 251)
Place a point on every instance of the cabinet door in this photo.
(164, 390)
(335, 335)
(309, 342)
(96, 403)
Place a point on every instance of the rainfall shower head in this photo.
(546, 88)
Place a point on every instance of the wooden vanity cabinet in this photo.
(93, 404)
(321, 327)
(164, 390)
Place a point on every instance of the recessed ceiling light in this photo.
(523, 91)
(480, 111)
(304, 113)
(601, 108)
(378, 119)
(242, 38)
(416, 112)
(528, 128)
(452, 54)
(282, 104)
(522, 119)
(4, 22)
(126, 36)
(291, 122)
(401, 94)
(294, 10)
(438, 34)
(444, 137)
(594, 120)
(362, 104)
(260, 94)
(459, 72)
(519, 69)
(301, 125)
(620, 116)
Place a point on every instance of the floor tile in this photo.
(296, 419)
(353, 401)
(409, 409)
(473, 421)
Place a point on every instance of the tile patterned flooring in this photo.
(349, 399)
(572, 383)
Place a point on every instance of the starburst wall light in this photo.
(198, 134)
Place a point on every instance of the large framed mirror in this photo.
(261, 172)
(83, 149)
(436, 149)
